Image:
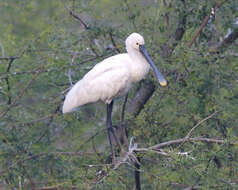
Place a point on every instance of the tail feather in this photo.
(75, 98)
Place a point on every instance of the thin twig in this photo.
(57, 187)
(74, 15)
(9, 58)
(9, 101)
(114, 43)
(130, 155)
(2, 49)
(19, 161)
(20, 94)
(43, 154)
(32, 183)
(127, 156)
(199, 123)
(178, 141)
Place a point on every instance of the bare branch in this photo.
(10, 58)
(20, 94)
(93, 58)
(3, 51)
(9, 101)
(142, 96)
(199, 123)
(178, 141)
(32, 183)
(131, 157)
(69, 77)
(180, 30)
(74, 15)
(204, 22)
(18, 162)
(114, 43)
(29, 123)
(228, 40)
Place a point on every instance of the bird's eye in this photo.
(137, 43)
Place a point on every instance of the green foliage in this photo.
(42, 44)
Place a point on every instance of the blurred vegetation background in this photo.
(46, 45)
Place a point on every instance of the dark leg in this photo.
(109, 128)
(137, 174)
(122, 124)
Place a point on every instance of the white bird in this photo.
(113, 77)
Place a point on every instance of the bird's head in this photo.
(136, 42)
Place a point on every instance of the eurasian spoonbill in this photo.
(113, 78)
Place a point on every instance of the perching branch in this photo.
(130, 156)
(142, 96)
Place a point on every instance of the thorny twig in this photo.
(130, 155)
(20, 94)
(41, 155)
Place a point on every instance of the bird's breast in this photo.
(139, 71)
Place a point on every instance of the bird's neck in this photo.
(139, 66)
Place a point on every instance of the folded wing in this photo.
(107, 80)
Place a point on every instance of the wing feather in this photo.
(107, 80)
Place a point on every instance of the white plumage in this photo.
(112, 77)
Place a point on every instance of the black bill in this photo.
(158, 75)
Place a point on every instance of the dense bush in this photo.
(46, 45)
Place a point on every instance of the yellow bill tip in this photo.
(164, 83)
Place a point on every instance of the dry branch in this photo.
(74, 15)
(204, 22)
(131, 157)
(141, 97)
(199, 123)
(178, 141)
